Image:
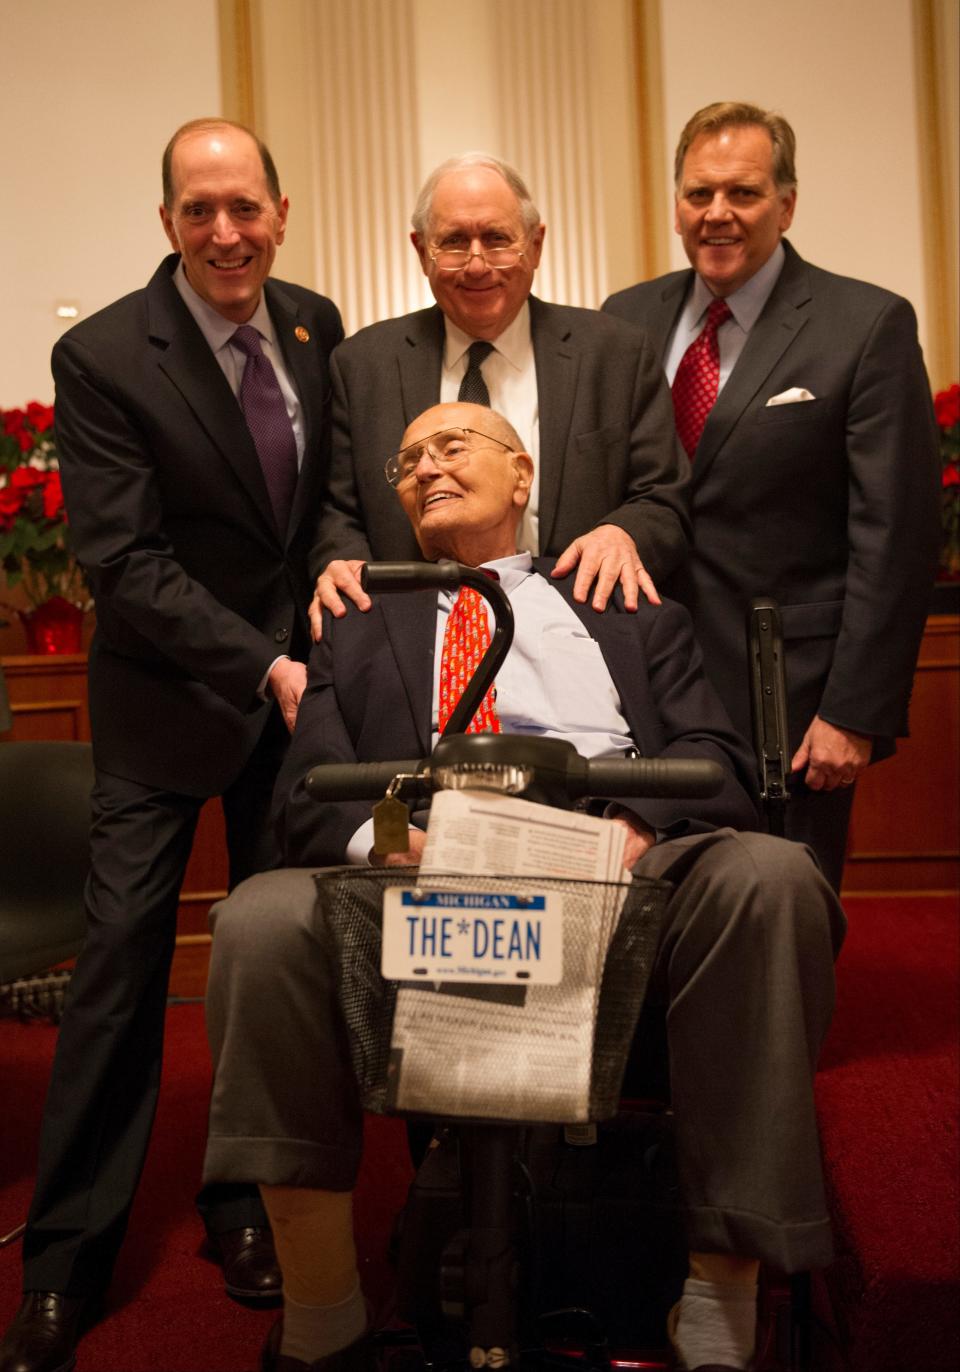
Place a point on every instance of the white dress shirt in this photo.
(510, 373)
(745, 304)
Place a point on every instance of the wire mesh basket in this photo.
(518, 1052)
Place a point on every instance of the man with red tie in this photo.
(285, 1105)
(802, 402)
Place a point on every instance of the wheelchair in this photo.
(471, 1279)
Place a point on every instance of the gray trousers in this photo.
(745, 968)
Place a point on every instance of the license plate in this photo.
(472, 936)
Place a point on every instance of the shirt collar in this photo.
(746, 303)
(511, 570)
(514, 343)
(215, 329)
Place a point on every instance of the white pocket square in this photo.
(790, 397)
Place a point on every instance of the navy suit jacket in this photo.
(831, 505)
(196, 590)
(370, 693)
(608, 450)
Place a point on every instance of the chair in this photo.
(44, 854)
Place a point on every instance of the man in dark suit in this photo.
(814, 476)
(749, 913)
(584, 393)
(192, 458)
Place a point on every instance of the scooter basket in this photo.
(525, 1024)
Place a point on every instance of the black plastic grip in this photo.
(653, 777)
(410, 576)
(358, 780)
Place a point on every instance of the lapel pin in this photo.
(301, 334)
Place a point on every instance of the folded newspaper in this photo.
(500, 979)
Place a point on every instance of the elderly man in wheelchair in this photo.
(745, 955)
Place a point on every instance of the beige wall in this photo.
(842, 73)
(551, 84)
(90, 90)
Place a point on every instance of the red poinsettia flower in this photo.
(10, 502)
(27, 479)
(951, 475)
(34, 530)
(946, 406)
(52, 495)
(40, 416)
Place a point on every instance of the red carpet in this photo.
(888, 1099)
(167, 1310)
(888, 1102)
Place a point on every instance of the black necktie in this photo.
(473, 388)
(270, 428)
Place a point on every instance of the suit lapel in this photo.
(557, 362)
(782, 319)
(411, 622)
(658, 322)
(420, 361)
(185, 358)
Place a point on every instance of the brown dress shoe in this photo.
(356, 1357)
(249, 1261)
(44, 1334)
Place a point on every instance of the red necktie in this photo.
(465, 640)
(697, 380)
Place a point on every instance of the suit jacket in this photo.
(370, 693)
(831, 505)
(196, 590)
(608, 452)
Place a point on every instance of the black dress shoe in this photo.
(249, 1261)
(356, 1357)
(44, 1334)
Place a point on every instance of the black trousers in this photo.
(105, 1080)
(821, 819)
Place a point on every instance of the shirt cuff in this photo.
(262, 691)
(358, 849)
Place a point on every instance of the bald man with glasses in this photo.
(748, 912)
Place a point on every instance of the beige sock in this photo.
(313, 1232)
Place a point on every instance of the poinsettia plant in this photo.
(35, 547)
(947, 407)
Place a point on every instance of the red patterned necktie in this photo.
(465, 640)
(697, 380)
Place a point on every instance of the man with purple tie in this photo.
(192, 429)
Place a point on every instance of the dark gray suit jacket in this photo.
(369, 699)
(196, 590)
(829, 505)
(608, 451)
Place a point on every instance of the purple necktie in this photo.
(266, 414)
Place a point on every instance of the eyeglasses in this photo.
(449, 448)
(456, 259)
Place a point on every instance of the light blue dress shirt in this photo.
(553, 683)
